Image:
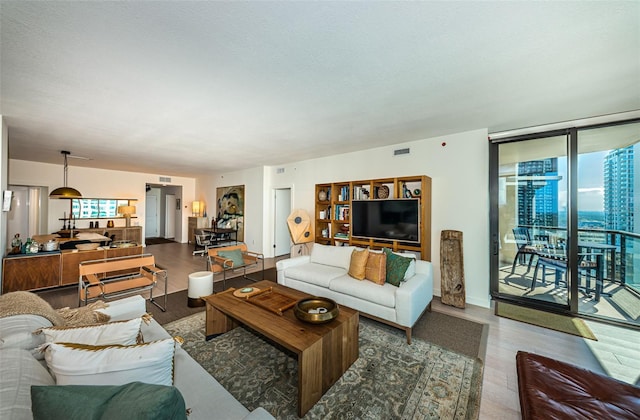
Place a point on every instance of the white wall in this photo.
(95, 183)
(4, 176)
(460, 194)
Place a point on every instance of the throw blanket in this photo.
(21, 303)
(27, 303)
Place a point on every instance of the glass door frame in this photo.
(572, 219)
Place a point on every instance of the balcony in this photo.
(619, 298)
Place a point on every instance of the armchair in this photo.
(231, 258)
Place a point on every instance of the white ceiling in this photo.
(186, 88)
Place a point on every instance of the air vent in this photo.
(165, 179)
(401, 152)
(280, 170)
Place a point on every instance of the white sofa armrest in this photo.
(414, 294)
(125, 309)
(289, 262)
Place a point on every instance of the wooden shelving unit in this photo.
(333, 215)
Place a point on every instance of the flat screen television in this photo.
(389, 219)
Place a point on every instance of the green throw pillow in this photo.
(234, 255)
(135, 400)
(396, 267)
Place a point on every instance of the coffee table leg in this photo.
(218, 322)
(309, 377)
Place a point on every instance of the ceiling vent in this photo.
(165, 179)
(401, 152)
(280, 170)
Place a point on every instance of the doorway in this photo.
(282, 210)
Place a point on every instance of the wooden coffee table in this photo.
(325, 351)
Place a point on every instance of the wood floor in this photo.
(616, 353)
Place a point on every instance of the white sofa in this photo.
(206, 398)
(325, 273)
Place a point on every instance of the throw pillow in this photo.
(81, 364)
(235, 256)
(358, 264)
(396, 267)
(120, 332)
(16, 331)
(135, 400)
(376, 268)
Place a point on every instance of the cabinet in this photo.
(196, 223)
(333, 205)
(59, 268)
(34, 271)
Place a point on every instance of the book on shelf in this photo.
(342, 212)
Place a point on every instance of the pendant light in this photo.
(65, 192)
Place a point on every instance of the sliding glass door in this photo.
(565, 236)
(532, 220)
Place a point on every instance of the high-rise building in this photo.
(538, 192)
(620, 189)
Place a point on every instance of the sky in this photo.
(590, 181)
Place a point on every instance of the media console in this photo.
(335, 213)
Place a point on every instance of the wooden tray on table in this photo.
(272, 301)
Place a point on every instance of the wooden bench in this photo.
(110, 278)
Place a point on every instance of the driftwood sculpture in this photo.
(451, 269)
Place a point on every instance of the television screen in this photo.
(393, 220)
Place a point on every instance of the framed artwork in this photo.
(230, 209)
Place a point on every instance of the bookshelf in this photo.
(333, 211)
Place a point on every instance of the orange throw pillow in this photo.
(358, 263)
(376, 268)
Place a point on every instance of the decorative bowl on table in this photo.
(316, 310)
(88, 247)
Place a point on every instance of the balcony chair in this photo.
(234, 257)
(525, 248)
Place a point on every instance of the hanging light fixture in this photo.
(65, 192)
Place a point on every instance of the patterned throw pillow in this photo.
(376, 269)
(396, 267)
(358, 264)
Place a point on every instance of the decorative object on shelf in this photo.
(127, 211)
(322, 195)
(96, 224)
(383, 192)
(88, 247)
(110, 224)
(316, 310)
(90, 225)
(65, 191)
(416, 192)
(406, 192)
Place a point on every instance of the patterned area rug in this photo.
(390, 379)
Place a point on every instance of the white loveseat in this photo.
(19, 369)
(325, 273)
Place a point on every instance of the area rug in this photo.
(390, 379)
(562, 323)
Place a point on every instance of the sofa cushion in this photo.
(134, 400)
(17, 331)
(396, 267)
(119, 332)
(336, 256)
(358, 263)
(376, 268)
(81, 364)
(18, 371)
(318, 274)
(365, 290)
